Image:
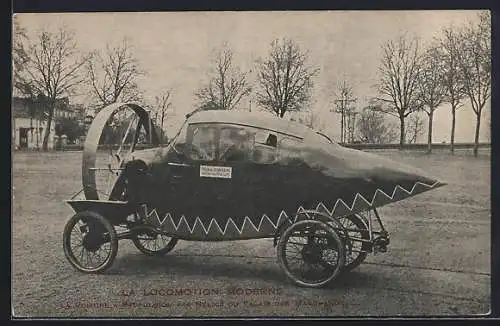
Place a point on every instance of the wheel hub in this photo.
(153, 235)
(311, 253)
(92, 241)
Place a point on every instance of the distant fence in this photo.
(411, 147)
(416, 147)
(103, 147)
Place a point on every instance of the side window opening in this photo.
(265, 151)
(236, 144)
(290, 149)
(272, 140)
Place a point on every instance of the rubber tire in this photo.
(67, 242)
(365, 235)
(280, 248)
(161, 252)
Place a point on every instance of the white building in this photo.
(28, 131)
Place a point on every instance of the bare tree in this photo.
(373, 127)
(455, 91)
(398, 81)
(161, 106)
(112, 74)
(415, 128)
(227, 86)
(51, 71)
(431, 88)
(473, 52)
(19, 54)
(285, 78)
(19, 58)
(344, 98)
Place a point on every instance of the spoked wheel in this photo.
(90, 242)
(116, 131)
(311, 253)
(153, 243)
(356, 250)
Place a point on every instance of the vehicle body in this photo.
(234, 175)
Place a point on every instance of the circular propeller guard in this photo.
(118, 127)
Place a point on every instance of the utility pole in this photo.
(250, 95)
(342, 105)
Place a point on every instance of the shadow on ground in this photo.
(236, 268)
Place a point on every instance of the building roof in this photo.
(258, 119)
(20, 107)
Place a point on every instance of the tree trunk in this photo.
(429, 131)
(476, 138)
(161, 127)
(37, 134)
(452, 137)
(47, 129)
(353, 131)
(402, 132)
(342, 128)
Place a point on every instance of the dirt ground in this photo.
(438, 262)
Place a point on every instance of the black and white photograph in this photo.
(271, 164)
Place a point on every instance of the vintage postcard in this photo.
(251, 164)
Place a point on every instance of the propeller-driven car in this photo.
(233, 175)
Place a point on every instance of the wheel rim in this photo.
(87, 247)
(311, 254)
(153, 243)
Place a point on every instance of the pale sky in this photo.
(175, 48)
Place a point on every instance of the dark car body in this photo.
(239, 175)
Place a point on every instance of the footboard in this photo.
(114, 211)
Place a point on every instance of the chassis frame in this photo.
(366, 230)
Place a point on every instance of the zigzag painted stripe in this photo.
(215, 227)
(213, 221)
(378, 191)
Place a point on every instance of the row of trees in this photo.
(284, 79)
(46, 69)
(373, 127)
(455, 67)
(284, 84)
(50, 67)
